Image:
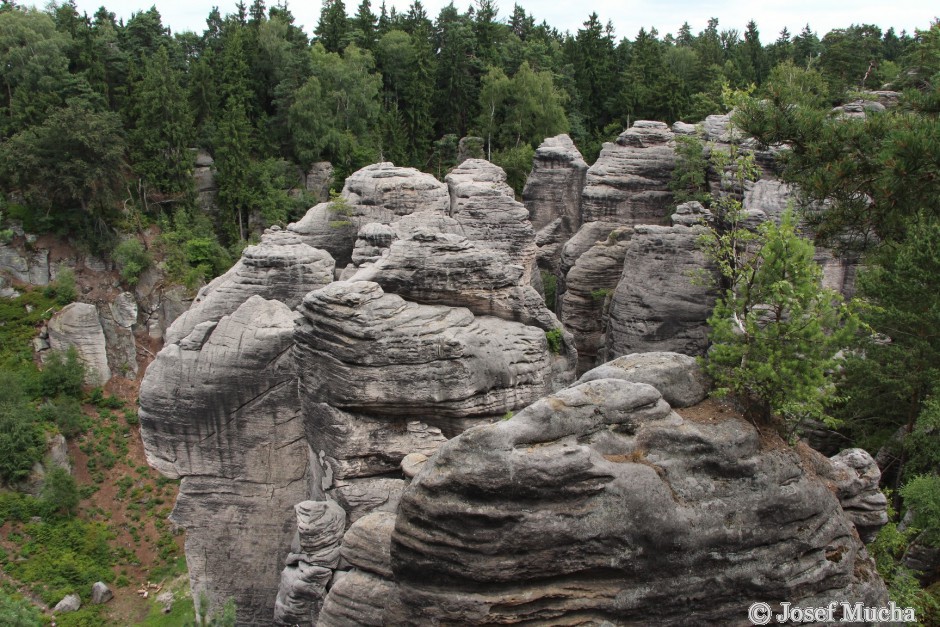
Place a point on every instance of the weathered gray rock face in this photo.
(677, 377)
(553, 189)
(629, 182)
(220, 409)
(365, 350)
(390, 191)
(281, 268)
(365, 595)
(589, 285)
(599, 504)
(318, 180)
(658, 305)
(446, 269)
(486, 209)
(31, 267)
(77, 325)
(381, 193)
(315, 553)
(855, 476)
(119, 336)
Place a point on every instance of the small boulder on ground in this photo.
(101, 593)
(70, 603)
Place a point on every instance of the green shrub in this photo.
(132, 259)
(922, 497)
(63, 557)
(62, 374)
(517, 162)
(60, 495)
(554, 341)
(65, 413)
(22, 443)
(17, 612)
(601, 294)
(550, 287)
(62, 290)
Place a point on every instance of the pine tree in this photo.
(333, 28)
(162, 130)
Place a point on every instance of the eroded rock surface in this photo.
(856, 476)
(629, 182)
(315, 553)
(77, 325)
(599, 504)
(661, 302)
(553, 189)
(281, 267)
(589, 285)
(220, 410)
(677, 377)
(488, 213)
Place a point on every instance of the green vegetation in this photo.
(550, 287)
(132, 259)
(17, 612)
(554, 340)
(775, 333)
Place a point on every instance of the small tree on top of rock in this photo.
(775, 330)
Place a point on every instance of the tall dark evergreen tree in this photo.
(333, 28)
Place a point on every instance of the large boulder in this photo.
(677, 377)
(599, 504)
(629, 182)
(220, 410)
(281, 267)
(664, 297)
(77, 326)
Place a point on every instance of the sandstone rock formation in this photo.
(599, 504)
(381, 193)
(315, 554)
(629, 182)
(77, 325)
(677, 377)
(553, 189)
(589, 285)
(281, 268)
(856, 476)
(220, 410)
(488, 213)
(28, 267)
(661, 304)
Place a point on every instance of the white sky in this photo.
(627, 15)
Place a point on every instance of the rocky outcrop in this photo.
(365, 595)
(281, 268)
(318, 180)
(118, 319)
(629, 182)
(589, 285)
(31, 268)
(381, 193)
(315, 554)
(553, 189)
(220, 410)
(446, 269)
(77, 326)
(677, 377)
(855, 477)
(365, 350)
(384, 192)
(599, 504)
(661, 302)
(489, 215)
